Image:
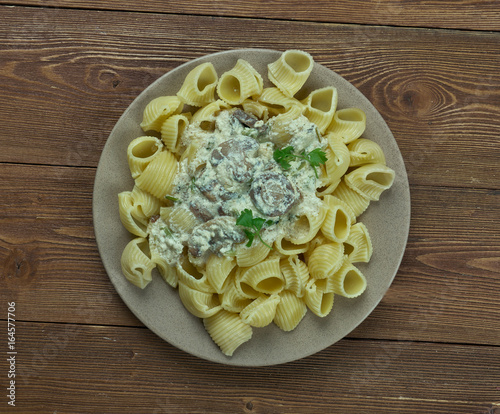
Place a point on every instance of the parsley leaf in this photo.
(193, 185)
(285, 155)
(246, 218)
(254, 224)
(167, 231)
(317, 157)
(171, 198)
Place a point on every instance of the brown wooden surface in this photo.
(67, 72)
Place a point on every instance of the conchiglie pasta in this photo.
(338, 220)
(172, 130)
(158, 110)
(358, 246)
(200, 304)
(232, 298)
(318, 300)
(306, 227)
(206, 179)
(136, 262)
(291, 71)
(358, 203)
(264, 277)
(218, 269)
(146, 205)
(250, 256)
(167, 272)
(158, 176)
(295, 273)
(199, 85)
(140, 152)
(338, 158)
(348, 124)
(135, 225)
(320, 107)
(276, 101)
(189, 275)
(180, 219)
(287, 248)
(318, 240)
(228, 331)
(325, 260)
(348, 281)
(290, 311)
(370, 180)
(365, 151)
(261, 311)
(239, 83)
(205, 116)
(256, 108)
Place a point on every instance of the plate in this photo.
(158, 305)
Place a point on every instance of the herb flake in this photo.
(284, 156)
(254, 226)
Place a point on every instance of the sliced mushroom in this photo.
(200, 211)
(249, 120)
(233, 155)
(214, 236)
(245, 118)
(210, 186)
(273, 194)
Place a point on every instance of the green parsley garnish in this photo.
(254, 225)
(171, 198)
(193, 185)
(167, 231)
(284, 156)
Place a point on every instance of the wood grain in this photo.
(462, 14)
(64, 365)
(66, 82)
(68, 70)
(442, 292)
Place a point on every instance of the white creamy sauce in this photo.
(223, 179)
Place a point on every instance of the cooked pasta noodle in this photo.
(158, 110)
(136, 262)
(290, 71)
(199, 85)
(290, 311)
(365, 151)
(348, 281)
(140, 152)
(370, 180)
(240, 83)
(247, 199)
(348, 124)
(261, 311)
(228, 331)
(320, 107)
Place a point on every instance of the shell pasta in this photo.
(247, 198)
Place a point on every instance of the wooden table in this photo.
(68, 69)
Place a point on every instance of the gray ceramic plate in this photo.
(158, 305)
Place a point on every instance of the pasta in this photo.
(240, 83)
(141, 152)
(199, 86)
(247, 199)
(290, 71)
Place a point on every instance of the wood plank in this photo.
(442, 291)
(67, 75)
(462, 14)
(117, 369)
